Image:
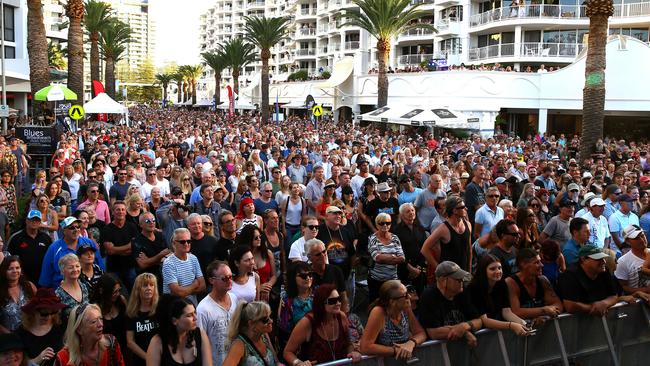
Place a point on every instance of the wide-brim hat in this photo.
(44, 299)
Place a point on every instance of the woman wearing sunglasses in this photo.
(392, 329)
(41, 330)
(297, 300)
(385, 249)
(322, 335)
(248, 333)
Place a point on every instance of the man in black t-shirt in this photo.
(30, 243)
(323, 272)
(204, 247)
(475, 191)
(445, 310)
(149, 247)
(228, 230)
(339, 242)
(508, 234)
(117, 237)
(384, 204)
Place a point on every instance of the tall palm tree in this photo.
(182, 70)
(39, 72)
(593, 94)
(98, 16)
(75, 11)
(237, 54)
(216, 61)
(193, 73)
(179, 78)
(265, 33)
(164, 80)
(384, 20)
(56, 56)
(112, 42)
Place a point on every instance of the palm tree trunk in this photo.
(266, 54)
(179, 87)
(165, 86)
(39, 72)
(593, 104)
(75, 12)
(109, 76)
(193, 92)
(217, 89)
(235, 81)
(383, 49)
(94, 57)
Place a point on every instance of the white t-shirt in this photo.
(214, 320)
(598, 229)
(297, 250)
(629, 269)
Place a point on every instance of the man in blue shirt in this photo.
(50, 274)
(580, 233)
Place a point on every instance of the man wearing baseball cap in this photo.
(630, 270)
(620, 220)
(31, 243)
(598, 225)
(50, 274)
(587, 287)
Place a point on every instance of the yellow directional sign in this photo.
(76, 112)
(317, 111)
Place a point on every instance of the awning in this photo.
(295, 104)
(340, 73)
(421, 116)
(240, 106)
(250, 88)
(203, 103)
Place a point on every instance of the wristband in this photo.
(296, 361)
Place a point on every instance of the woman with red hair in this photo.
(246, 215)
(322, 335)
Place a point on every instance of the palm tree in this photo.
(237, 54)
(74, 9)
(98, 16)
(56, 56)
(164, 80)
(384, 20)
(216, 61)
(112, 42)
(179, 78)
(193, 73)
(39, 72)
(265, 33)
(593, 94)
(182, 70)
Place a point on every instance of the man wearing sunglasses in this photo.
(215, 310)
(508, 234)
(50, 273)
(181, 271)
(149, 247)
(324, 272)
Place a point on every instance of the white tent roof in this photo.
(102, 103)
(203, 103)
(340, 73)
(420, 116)
(295, 104)
(242, 105)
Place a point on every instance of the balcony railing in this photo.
(415, 2)
(334, 47)
(307, 31)
(323, 28)
(419, 32)
(306, 52)
(631, 10)
(352, 45)
(526, 50)
(256, 3)
(311, 11)
(413, 59)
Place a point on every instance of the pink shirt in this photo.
(101, 210)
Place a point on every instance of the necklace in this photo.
(327, 339)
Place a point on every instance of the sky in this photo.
(177, 30)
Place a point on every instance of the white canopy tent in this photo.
(295, 104)
(102, 103)
(203, 103)
(421, 116)
(240, 106)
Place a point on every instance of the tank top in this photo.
(456, 250)
(246, 291)
(527, 301)
(252, 357)
(392, 333)
(167, 359)
(294, 212)
(245, 221)
(265, 272)
(322, 350)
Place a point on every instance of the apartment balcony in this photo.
(306, 33)
(531, 14)
(307, 13)
(446, 3)
(334, 5)
(426, 3)
(416, 34)
(257, 4)
(334, 47)
(306, 53)
(448, 26)
(352, 45)
(322, 29)
(632, 10)
(412, 60)
(527, 51)
(347, 4)
(333, 28)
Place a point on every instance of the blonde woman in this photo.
(134, 208)
(258, 164)
(175, 177)
(50, 218)
(85, 342)
(208, 225)
(236, 176)
(248, 333)
(141, 311)
(187, 185)
(40, 182)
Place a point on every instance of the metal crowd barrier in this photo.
(620, 338)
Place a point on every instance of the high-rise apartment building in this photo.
(136, 13)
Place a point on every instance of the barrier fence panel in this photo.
(622, 337)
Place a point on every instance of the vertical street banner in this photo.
(231, 102)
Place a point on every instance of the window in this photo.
(451, 46)
(638, 33)
(10, 52)
(10, 35)
(454, 13)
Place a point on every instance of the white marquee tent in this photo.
(102, 103)
(420, 116)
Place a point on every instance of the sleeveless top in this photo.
(457, 249)
(245, 221)
(167, 359)
(322, 350)
(265, 272)
(10, 313)
(392, 333)
(246, 291)
(527, 301)
(294, 212)
(252, 357)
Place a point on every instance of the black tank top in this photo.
(167, 358)
(525, 300)
(457, 249)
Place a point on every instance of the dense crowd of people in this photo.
(191, 238)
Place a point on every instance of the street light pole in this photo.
(2, 61)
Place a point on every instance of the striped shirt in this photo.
(384, 272)
(182, 272)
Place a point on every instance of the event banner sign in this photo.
(39, 140)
